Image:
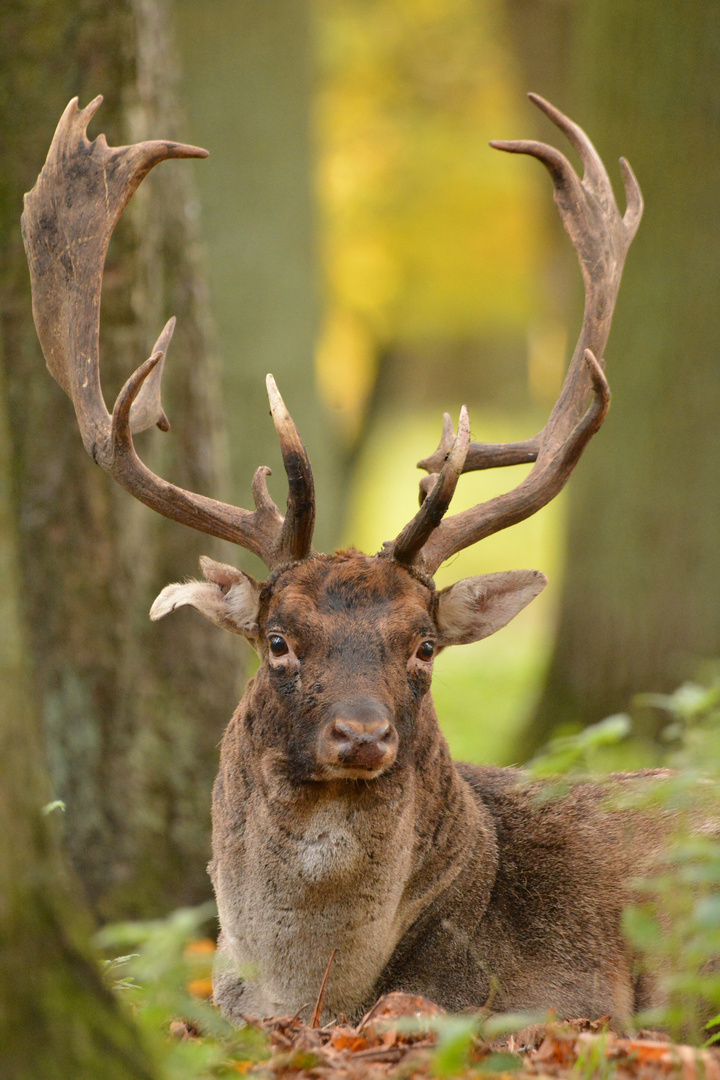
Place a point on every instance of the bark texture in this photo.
(641, 602)
(57, 1018)
(131, 713)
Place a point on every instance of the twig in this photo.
(317, 1011)
(299, 1013)
(391, 1053)
(369, 1015)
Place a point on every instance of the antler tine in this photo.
(479, 455)
(601, 238)
(435, 462)
(433, 508)
(297, 531)
(591, 161)
(68, 220)
(633, 196)
(147, 407)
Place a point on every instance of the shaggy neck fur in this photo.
(302, 869)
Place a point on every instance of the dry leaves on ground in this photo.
(401, 1038)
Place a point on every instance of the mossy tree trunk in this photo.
(641, 602)
(131, 713)
(57, 1018)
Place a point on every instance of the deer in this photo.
(341, 825)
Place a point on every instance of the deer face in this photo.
(347, 644)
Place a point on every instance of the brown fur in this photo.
(456, 882)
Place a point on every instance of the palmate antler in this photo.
(601, 238)
(68, 220)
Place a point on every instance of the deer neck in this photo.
(305, 869)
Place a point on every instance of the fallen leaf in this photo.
(345, 1038)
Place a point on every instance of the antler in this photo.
(601, 238)
(68, 220)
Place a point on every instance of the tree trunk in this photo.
(132, 713)
(57, 1018)
(641, 602)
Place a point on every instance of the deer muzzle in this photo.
(359, 740)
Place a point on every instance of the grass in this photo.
(485, 692)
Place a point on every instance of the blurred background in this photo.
(353, 233)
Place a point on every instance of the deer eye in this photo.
(426, 651)
(278, 645)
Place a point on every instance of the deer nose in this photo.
(359, 735)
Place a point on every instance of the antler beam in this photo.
(68, 220)
(601, 238)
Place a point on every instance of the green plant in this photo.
(674, 924)
(676, 921)
(460, 1040)
(568, 755)
(593, 1062)
(159, 980)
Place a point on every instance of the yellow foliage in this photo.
(426, 233)
(345, 363)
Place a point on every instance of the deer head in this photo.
(379, 617)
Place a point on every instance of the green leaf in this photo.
(508, 1023)
(707, 912)
(642, 927)
(453, 1050)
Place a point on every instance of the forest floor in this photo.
(405, 1037)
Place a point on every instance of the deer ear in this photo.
(227, 597)
(478, 606)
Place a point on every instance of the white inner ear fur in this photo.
(228, 597)
(476, 607)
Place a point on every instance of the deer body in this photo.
(448, 881)
(339, 819)
(303, 865)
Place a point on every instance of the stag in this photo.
(340, 822)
